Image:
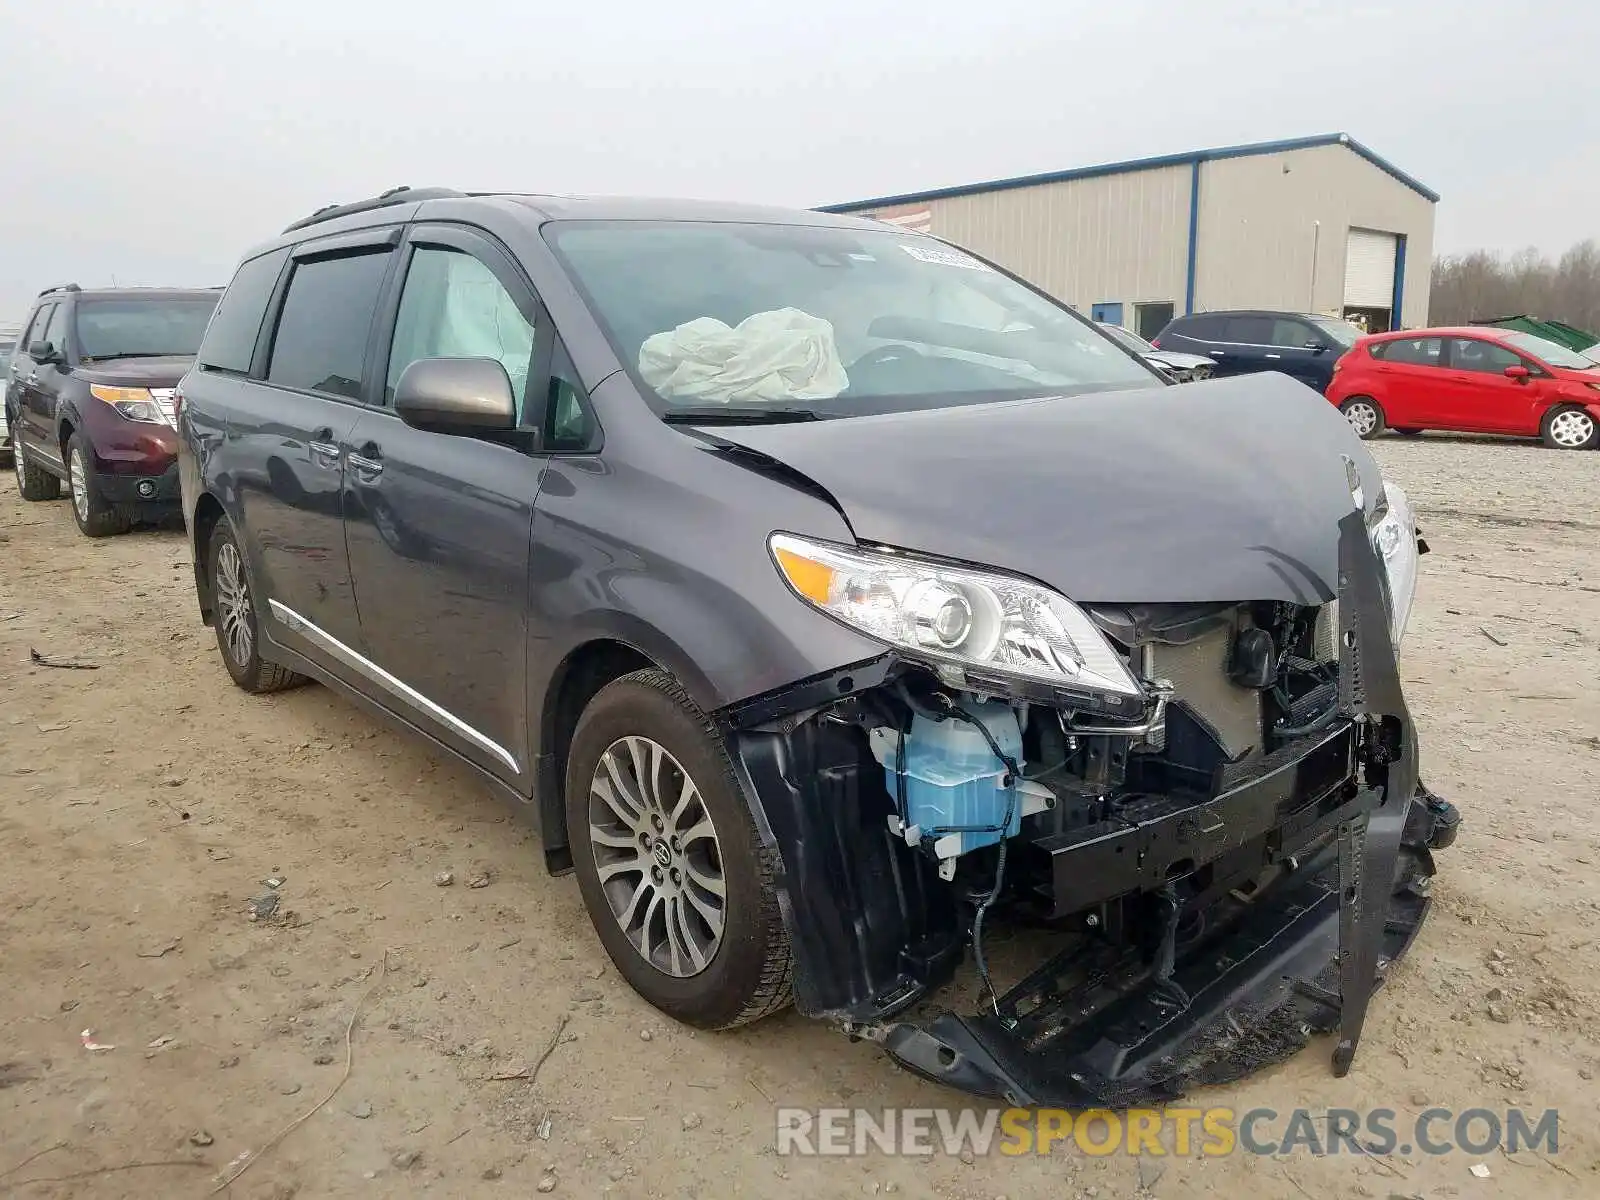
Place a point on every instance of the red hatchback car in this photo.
(1469, 380)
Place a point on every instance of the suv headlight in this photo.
(994, 623)
(134, 403)
(1394, 537)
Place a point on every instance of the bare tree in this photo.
(1479, 285)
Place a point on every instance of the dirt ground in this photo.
(143, 804)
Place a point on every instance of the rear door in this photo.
(44, 385)
(286, 437)
(1480, 398)
(1246, 342)
(1413, 385)
(1201, 334)
(439, 526)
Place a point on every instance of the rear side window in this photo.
(321, 341)
(1416, 352)
(1202, 328)
(1250, 331)
(230, 341)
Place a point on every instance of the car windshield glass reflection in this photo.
(143, 328)
(842, 321)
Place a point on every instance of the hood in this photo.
(137, 372)
(1183, 362)
(1222, 490)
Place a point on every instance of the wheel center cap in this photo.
(663, 854)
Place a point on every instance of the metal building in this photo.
(1316, 224)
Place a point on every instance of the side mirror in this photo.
(1520, 374)
(456, 395)
(42, 352)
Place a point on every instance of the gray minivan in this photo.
(825, 595)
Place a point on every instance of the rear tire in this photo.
(1569, 427)
(235, 620)
(33, 482)
(672, 838)
(96, 516)
(1365, 416)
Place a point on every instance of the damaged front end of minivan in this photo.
(1216, 821)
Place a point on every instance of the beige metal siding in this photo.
(1110, 238)
(1256, 229)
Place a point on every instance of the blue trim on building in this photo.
(1143, 164)
(1396, 311)
(1194, 236)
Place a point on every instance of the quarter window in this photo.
(321, 340)
(1471, 354)
(454, 307)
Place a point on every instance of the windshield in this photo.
(143, 327)
(828, 321)
(1342, 332)
(1549, 352)
(1129, 338)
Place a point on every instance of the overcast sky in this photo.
(152, 142)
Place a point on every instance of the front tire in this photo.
(33, 481)
(234, 617)
(1365, 416)
(1569, 427)
(96, 516)
(675, 878)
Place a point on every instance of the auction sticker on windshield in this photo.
(942, 256)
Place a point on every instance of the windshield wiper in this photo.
(135, 354)
(727, 414)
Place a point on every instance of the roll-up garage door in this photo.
(1369, 269)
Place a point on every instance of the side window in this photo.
(321, 340)
(1250, 331)
(1201, 329)
(56, 331)
(452, 306)
(230, 341)
(1292, 334)
(1470, 354)
(1415, 352)
(570, 425)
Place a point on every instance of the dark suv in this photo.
(89, 399)
(734, 546)
(1302, 345)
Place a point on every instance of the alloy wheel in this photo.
(233, 604)
(77, 473)
(1362, 416)
(1572, 428)
(657, 855)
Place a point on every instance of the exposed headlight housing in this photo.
(133, 403)
(956, 618)
(1394, 537)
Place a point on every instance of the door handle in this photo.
(324, 451)
(1274, 356)
(1215, 353)
(367, 465)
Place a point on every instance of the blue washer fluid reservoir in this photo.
(953, 777)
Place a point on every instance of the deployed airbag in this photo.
(783, 354)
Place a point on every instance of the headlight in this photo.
(1394, 537)
(948, 615)
(134, 403)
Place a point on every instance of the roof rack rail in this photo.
(61, 287)
(395, 195)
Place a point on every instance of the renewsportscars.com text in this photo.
(1211, 1132)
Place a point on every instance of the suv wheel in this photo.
(1364, 415)
(95, 516)
(672, 872)
(234, 617)
(33, 482)
(1568, 427)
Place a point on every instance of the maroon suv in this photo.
(90, 399)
